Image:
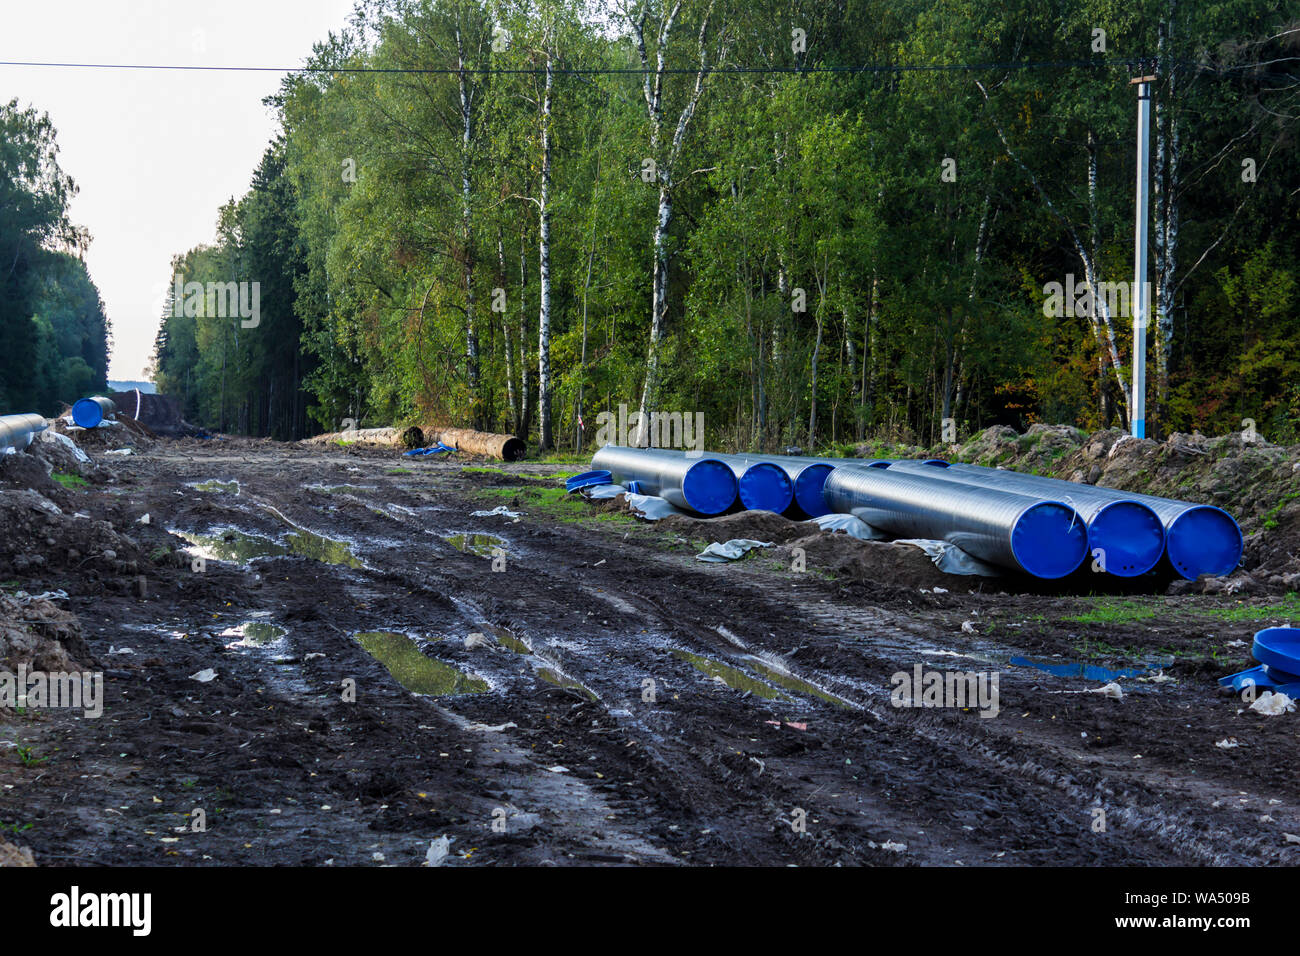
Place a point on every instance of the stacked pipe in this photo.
(1197, 539)
(18, 431)
(1042, 526)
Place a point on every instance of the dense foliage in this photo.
(52, 322)
(518, 214)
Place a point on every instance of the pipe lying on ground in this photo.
(1128, 534)
(763, 485)
(502, 447)
(703, 485)
(1047, 539)
(18, 431)
(1199, 539)
(89, 412)
(808, 475)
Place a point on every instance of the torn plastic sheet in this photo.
(604, 491)
(853, 526)
(731, 550)
(950, 559)
(652, 508)
(503, 510)
(51, 435)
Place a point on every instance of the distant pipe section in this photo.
(704, 485)
(1046, 539)
(501, 447)
(1125, 537)
(18, 431)
(89, 412)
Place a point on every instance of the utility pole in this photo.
(1140, 300)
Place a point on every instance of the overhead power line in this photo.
(604, 71)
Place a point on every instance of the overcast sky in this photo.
(154, 153)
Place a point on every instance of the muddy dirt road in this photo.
(590, 693)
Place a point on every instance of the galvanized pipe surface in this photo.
(1047, 539)
(18, 431)
(1199, 539)
(1126, 537)
(704, 485)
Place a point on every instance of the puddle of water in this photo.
(506, 639)
(795, 684)
(733, 678)
(480, 544)
(340, 489)
(1080, 669)
(559, 680)
(231, 545)
(414, 671)
(229, 487)
(255, 634)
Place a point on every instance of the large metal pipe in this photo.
(89, 412)
(1125, 536)
(703, 485)
(1199, 539)
(18, 431)
(763, 485)
(502, 447)
(1047, 539)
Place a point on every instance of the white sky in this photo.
(154, 153)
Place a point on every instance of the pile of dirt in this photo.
(879, 565)
(41, 535)
(37, 633)
(156, 414)
(754, 525)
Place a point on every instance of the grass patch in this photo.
(70, 481)
(553, 503)
(399, 471)
(1270, 516)
(1115, 612)
(1288, 609)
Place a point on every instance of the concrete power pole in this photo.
(1141, 301)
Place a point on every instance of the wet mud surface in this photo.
(573, 687)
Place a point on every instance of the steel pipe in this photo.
(1126, 537)
(1047, 539)
(1199, 539)
(89, 412)
(763, 485)
(704, 485)
(18, 431)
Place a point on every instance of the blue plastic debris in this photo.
(1279, 648)
(587, 479)
(437, 449)
(1278, 651)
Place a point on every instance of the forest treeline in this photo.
(53, 328)
(809, 220)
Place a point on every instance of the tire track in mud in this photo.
(711, 758)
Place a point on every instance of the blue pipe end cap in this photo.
(1279, 648)
(766, 487)
(936, 462)
(709, 487)
(1204, 540)
(1129, 536)
(87, 414)
(808, 489)
(1049, 540)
